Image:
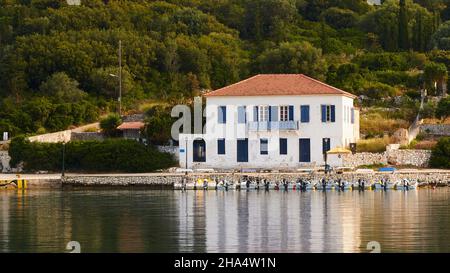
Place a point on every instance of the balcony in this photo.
(264, 126)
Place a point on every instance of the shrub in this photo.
(378, 90)
(373, 145)
(443, 108)
(110, 123)
(440, 157)
(113, 155)
(378, 123)
(340, 18)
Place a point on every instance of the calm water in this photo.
(172, 221)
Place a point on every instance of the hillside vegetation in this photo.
(56, 60)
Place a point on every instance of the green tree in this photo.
(62, 88)
(110, 123)
(403, 31)
(441, 38)
(435, 75)
(296, 57)
(158, 124)
(340, 18)
(443, 108)
(440, 156)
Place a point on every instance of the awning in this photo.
(338, 151)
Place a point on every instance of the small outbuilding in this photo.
(132, 129)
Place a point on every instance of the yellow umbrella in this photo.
(339, 151)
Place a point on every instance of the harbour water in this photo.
(132, 220)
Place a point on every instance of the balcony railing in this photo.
(261, 126)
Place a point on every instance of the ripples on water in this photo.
(173, 221)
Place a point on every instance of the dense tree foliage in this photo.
(440, 157)
(59, 63)
(113, 155)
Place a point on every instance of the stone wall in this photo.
(83, 136)
(122, 180)
(359, 159)
(435, 129)
(62, 136)
(168, 181)
(417, 158)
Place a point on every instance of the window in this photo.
(304, 113)
(242, 114)
(264, 146)
(326, 145)
(263, 113)
(221, 146)
(284, 113)
(283, 146)
(328, 113)
(222, 114)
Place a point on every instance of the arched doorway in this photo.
(199, 150)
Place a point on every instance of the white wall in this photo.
(341, 132)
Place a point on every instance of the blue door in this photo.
(199, 150)
(305, 149)
(242, 150)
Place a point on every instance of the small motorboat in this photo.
(224, 185)
(405, 185)
(377, 186)
(345, 186)
(330, 186)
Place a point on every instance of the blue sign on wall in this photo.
(181, 150)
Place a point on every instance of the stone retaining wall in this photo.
(417, 158)
(123, 180)
(436, 129)
(359, 159)
(167, 181)
(62, 136)
(83, 136)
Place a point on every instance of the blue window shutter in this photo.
(274, 113)
(242, 115)
(255, 113)
(222, 114)
(270, 113)
(333, 113)
(221, 146)
(224, 110)
(353, 115)
(283, 146)
(304, 113)
(324, 113)
(291, 112)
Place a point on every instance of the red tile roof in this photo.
(278, 85)
(131, 125)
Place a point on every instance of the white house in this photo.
(272, 121)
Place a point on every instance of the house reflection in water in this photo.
(268, 222)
